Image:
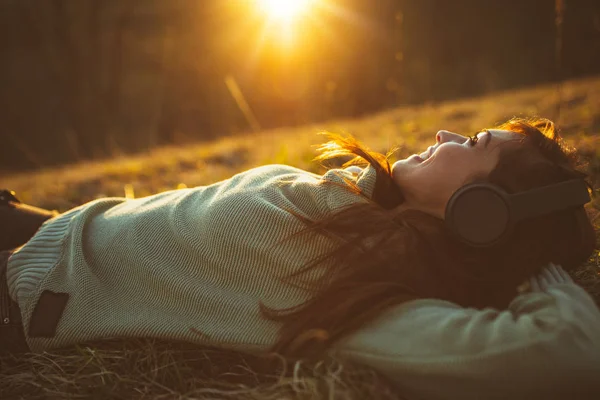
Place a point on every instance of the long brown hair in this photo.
(385, 258)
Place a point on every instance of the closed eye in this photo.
(473, 140)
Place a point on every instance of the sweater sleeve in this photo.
(546, 345)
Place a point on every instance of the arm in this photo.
(546, 345)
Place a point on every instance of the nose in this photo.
(447, 136)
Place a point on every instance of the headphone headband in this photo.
(482, 214)
(548, 199)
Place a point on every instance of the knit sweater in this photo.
(190, 264)
(193, 265)
(545, 345)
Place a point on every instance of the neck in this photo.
(408, 205)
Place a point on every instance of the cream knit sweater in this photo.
(193, 264)
(188, 264)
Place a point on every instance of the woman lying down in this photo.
(445, 272)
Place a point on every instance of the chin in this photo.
(397, 169)
(404, 164)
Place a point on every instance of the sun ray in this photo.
(284, 11)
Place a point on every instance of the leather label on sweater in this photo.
(46, 314)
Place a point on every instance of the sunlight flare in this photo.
(284, 10)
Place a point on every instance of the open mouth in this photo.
(426, 154)
(423, 156)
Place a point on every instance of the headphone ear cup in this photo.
(478, 215)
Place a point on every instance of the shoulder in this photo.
(362, 180)
(276, 171)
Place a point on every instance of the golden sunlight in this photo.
(284, 10)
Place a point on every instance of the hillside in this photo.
(411, 128)
(142, 369)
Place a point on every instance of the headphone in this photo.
(483, 215)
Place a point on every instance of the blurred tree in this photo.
(81, 44)
(93, 78)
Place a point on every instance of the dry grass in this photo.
(140, 369)
(137, 369)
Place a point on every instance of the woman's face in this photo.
(428, 180)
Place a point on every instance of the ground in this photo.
(136, 369)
